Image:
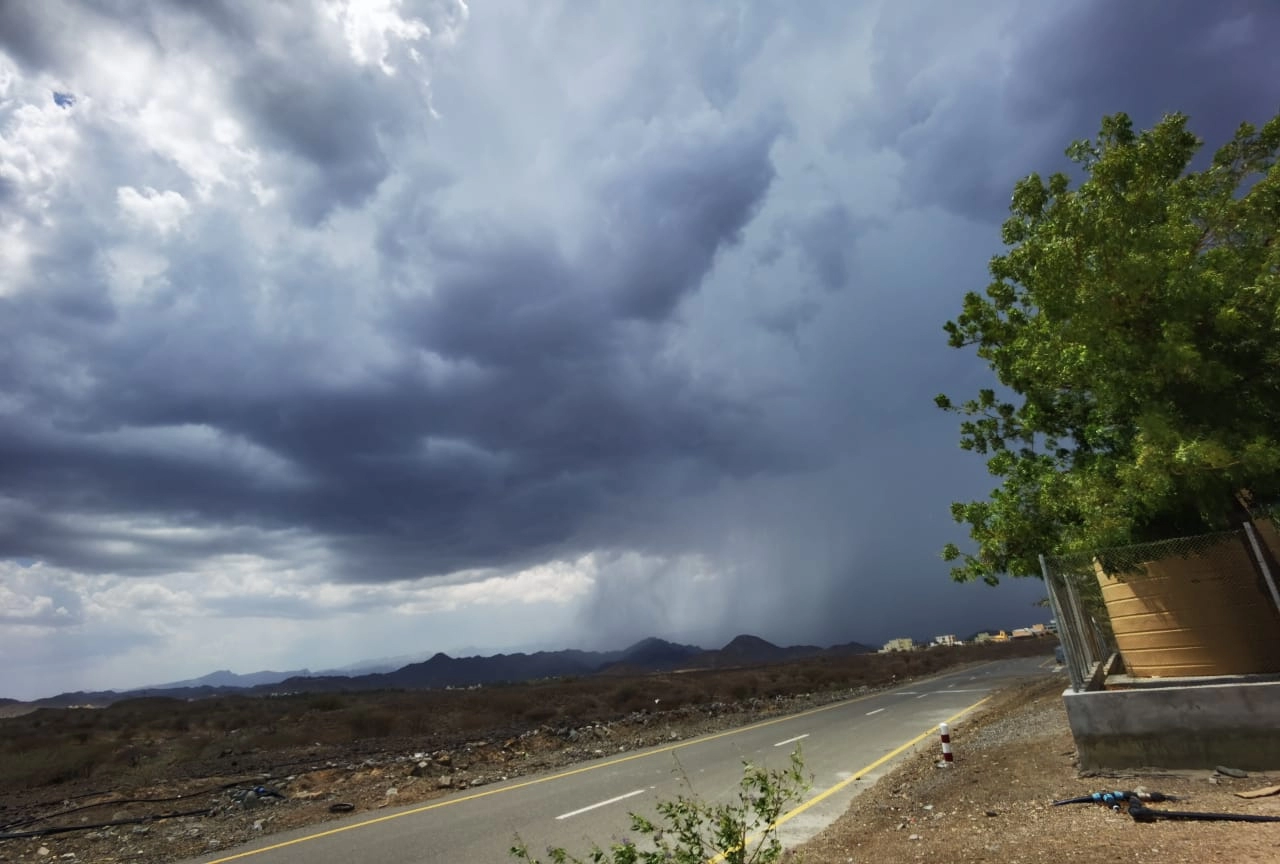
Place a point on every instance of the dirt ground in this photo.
(994, 804)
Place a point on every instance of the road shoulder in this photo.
(1012, 759)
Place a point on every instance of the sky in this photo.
(349, 329)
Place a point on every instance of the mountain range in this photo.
(441, 670)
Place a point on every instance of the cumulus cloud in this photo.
(160, 211)
(370, 326)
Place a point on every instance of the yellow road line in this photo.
(667, 749)
(858, 775)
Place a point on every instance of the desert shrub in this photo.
(326, 702)
(539, 713)
(370, 722)
(623, 696)
(49, 766)
(418, 722)
(234, 720)
(745, 688)
(506, 702)
(580, 707)
(278, 737)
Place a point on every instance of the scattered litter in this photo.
(341, 807)
(1231, 772)
(1259, 793)
(1115, 798)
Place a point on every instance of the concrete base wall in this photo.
(1235, 724)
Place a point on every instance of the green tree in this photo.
(1133, 325)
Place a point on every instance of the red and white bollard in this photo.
(947, 759)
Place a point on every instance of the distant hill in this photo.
(444, 671)
(747, 650)
(381, 664)
(851, 648)
(103, 698)
(441, 670)
(652, 655)
(227, 678)
(743, 650)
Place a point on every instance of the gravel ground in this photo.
(994, 805)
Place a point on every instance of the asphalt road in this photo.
(846, 746)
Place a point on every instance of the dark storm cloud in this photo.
(660, 283)
(330, 119)
(825, 239)
(227, 16)
(27, 35)
(554, 403)
(1066, 67)
(668, 215)
(562, 405)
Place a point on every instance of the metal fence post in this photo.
(1262, 563)
(1066, 629)
(1089, 649)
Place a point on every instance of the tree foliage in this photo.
(1133, 325)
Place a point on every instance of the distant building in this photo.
(1021, 633)
(980, 638)
(1039, 629)
(898, 645)
(949, 639)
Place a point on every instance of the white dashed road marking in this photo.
(581, 810)
(792, 740)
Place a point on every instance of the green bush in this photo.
(691, 831)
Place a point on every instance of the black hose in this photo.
(1114, 798)
(1142, 813)
(31, 820)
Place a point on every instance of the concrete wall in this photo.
(1235, 724)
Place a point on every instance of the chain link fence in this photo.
(1183, 607)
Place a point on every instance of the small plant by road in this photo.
(690, 830)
